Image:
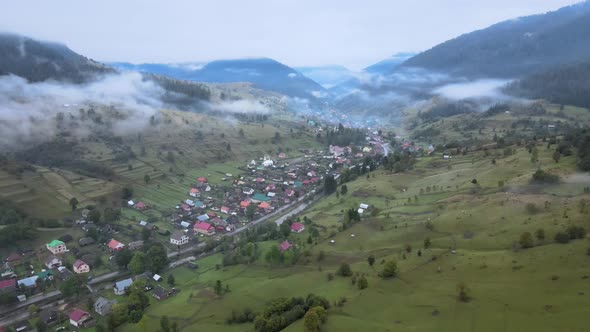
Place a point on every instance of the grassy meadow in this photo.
(473, 235)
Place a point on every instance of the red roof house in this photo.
(185, 207)
(224, 209)
(140, 205)
(264, 205)
(285, 245)
(115, 245)
(244, 204)
(204, 228)
(194, 192)
(297, 227)
(7, 286)
(202, 179)
(78, 317)
(306, 182)
(259, 180)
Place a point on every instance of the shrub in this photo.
(344, 270)
(561, 237)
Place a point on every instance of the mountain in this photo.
(38, 61)
(327, 76)
(566, 84)
(388, 65)
(515, 47)
(264, 73)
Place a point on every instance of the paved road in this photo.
(31, 300)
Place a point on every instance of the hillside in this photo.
(566, 84)
(516, 47)
(264, 73)
(386, 66)
(38, 61)
(94, 165)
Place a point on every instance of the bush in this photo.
(389, 270)
(542, 177)
(344, 270)
(561, 237)
(531, 208)
(526, 240)
(576, 232)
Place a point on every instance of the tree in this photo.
(311, 321)
(158, 257)
(463, 295)
(362, 283)
(562, 237)
(250, 211)
(218, 287)
(164, 324)
(427, 243)
(123, 257)
(371, 260)
(171, 280)
(344, 270)
(556, 156)
(526, 240)
(343, 189)
(74, 203)
(285, 229)
(389, 270)
(330, 184)
(127, 192)
(94, 216)
(540, 234)
(145, 234)
(147, 178)
(138, 263)
(32, 309)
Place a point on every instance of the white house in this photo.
(364, 206)
(178, 238)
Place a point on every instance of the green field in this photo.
(544, 288)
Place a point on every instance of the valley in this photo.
(388, 190)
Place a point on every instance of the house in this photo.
(264, 206)
(267, 162)
(202, 180)
(360, 211)
(157, 277)
(86, 241)
(79, 317)
(224, 209)
(289, 192)
(193, 192)
(185, 224)
(203, 217)
(53, 262)
(56, 247)
(80, 266)
(271, 194)
(140, 205)
(45, 275)
(297, 227)
(185, 207)
(130, 203)
(161, 293)
(311, 173)
(115, 245)
(189, 202)
(258, 197)
(103, 306)
(8, 286)
(248, 191)
(13, 259)
(135, 245)
(364, 206)
(285, 245)
(49, 316)
(178, 238)
(121, 286)
(28, 282)
(204, 228)
(244, 204)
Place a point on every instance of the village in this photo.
(265, 188)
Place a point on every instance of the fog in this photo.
(28, 110)
(485, 88)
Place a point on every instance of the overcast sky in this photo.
(353, 33)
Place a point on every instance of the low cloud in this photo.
(242, 106)
(28, 111)
(487, 88)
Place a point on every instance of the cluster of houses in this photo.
(265, 186)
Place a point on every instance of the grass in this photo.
(539, 289)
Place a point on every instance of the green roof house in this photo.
(258, 197)
(56, 247)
